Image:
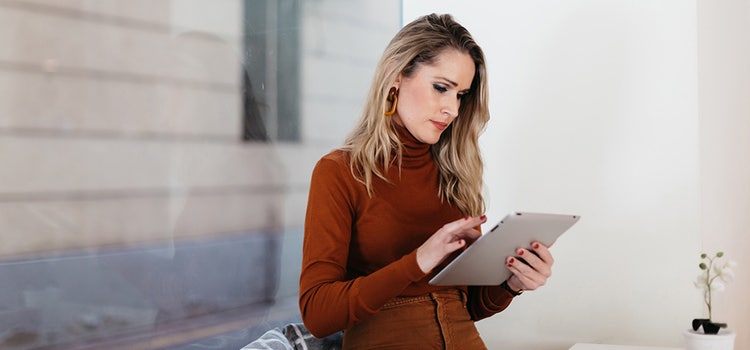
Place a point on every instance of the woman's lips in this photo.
(440, 126)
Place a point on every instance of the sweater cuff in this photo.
(388, 282)
(411, 268)
(498, 298)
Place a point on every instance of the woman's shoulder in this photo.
(333, 170)
(337, 156)
(336, 161)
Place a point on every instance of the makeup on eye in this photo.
(439, 88)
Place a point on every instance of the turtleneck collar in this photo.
(415, 153)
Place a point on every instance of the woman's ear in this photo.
(397, 82)
(390, 68)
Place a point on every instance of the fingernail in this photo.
(511, 261)
(466, 217)
(483, 217)
(536, 245)
(519, 252)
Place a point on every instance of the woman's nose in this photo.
(450, 107)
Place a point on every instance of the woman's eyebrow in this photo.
(453, 83)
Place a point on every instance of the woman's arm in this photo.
(485, 301)
(330, 300)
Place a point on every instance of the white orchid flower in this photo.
(726, 275)
(717, 286)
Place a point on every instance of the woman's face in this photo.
(428, 100)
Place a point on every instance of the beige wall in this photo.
(724, 90)
(633, 114)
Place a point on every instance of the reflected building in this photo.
(155, 158)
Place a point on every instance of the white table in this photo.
(582, 346)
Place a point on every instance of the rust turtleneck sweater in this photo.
(360, 251)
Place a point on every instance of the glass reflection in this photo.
(155, 158)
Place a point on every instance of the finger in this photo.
(524, 269)
(462, 229)
(454, 246)
(529, 277)
(470, 234)
(465, 237)
(542, 252)
(528, 283)
(524, 281)
(531, 259)
(466, 222)
(517, 266)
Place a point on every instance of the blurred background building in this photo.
(155, 158)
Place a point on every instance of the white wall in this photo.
(594, 112)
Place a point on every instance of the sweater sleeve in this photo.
(485, 301)
(329, 300)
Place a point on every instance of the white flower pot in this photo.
(699, 341)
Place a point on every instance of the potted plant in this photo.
(712, 279)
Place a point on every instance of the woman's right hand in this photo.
(449, 238)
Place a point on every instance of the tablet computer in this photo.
(483, 262)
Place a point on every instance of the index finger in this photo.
(465, 228)
(466, 223)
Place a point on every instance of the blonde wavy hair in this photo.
(373, 145)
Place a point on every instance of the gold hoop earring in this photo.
(393, 99)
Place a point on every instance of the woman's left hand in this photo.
(535, 272)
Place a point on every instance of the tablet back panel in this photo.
(483, 263)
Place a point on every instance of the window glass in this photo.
(155, 159)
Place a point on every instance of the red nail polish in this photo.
(536, 245)
(511, 261)
(466, 217)
(520, 252)
(483, 217)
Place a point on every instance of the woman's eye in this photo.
(439, 88)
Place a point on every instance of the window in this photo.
(132, 212)
(271, 84)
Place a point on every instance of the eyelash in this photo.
(443, 89)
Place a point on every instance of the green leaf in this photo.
(719, 254)
(703, 266)
(704, 255)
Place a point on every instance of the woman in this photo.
(401, 197)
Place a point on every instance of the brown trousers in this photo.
(436, 320)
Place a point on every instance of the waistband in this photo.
(445, 294)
